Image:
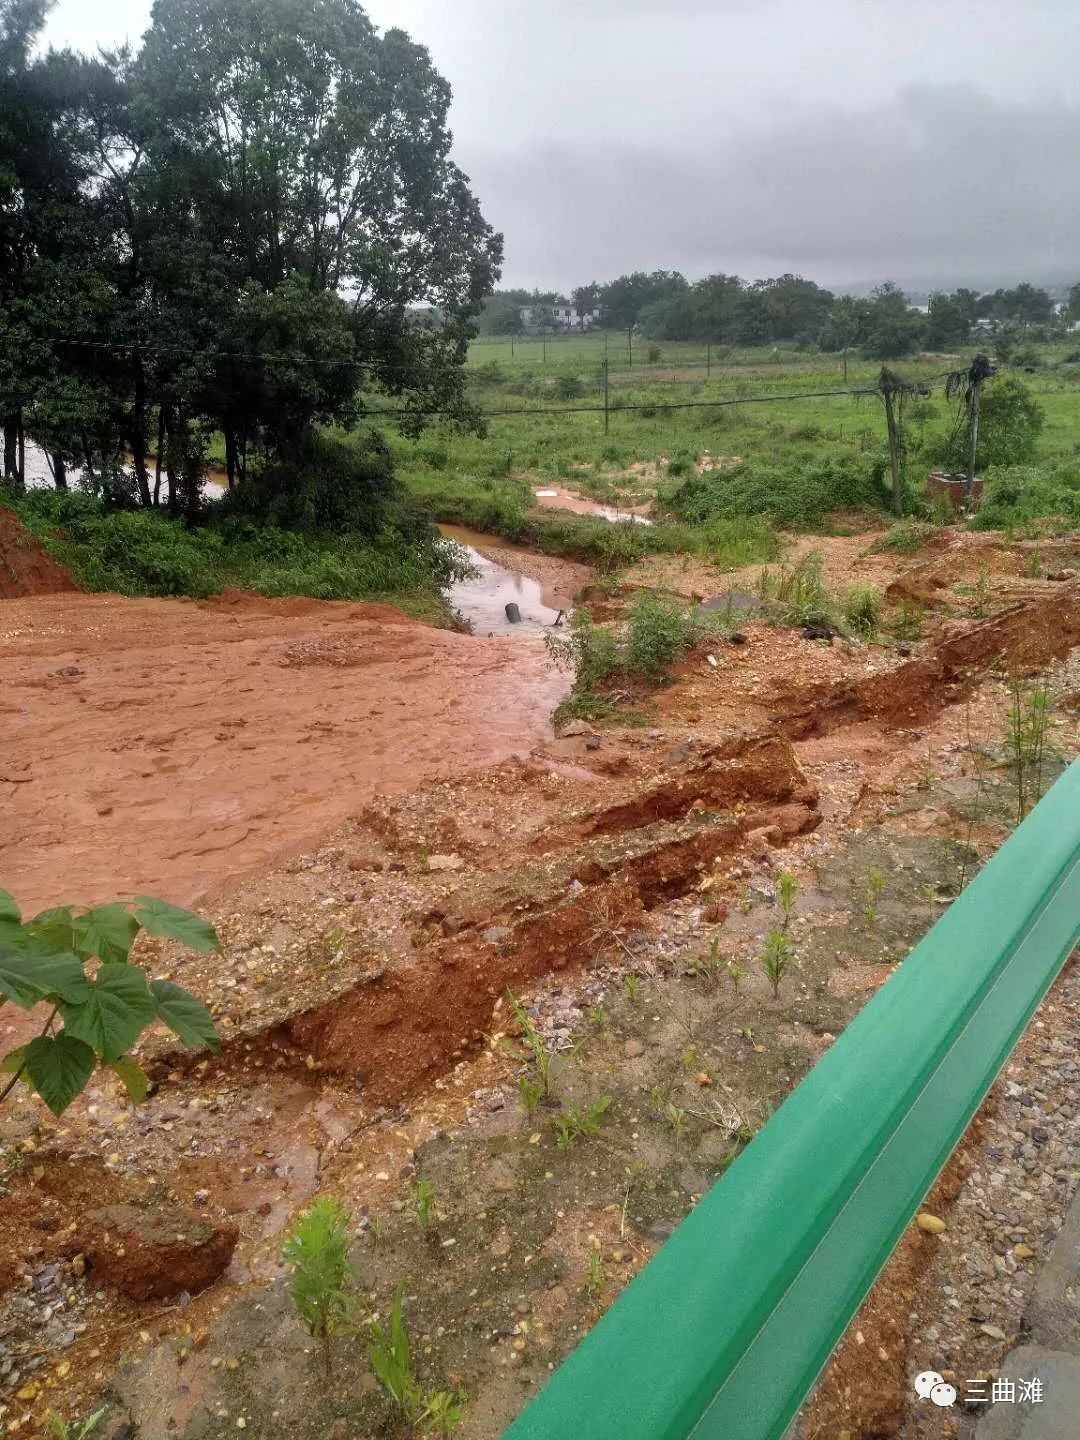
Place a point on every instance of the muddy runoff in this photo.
(495, 590)
(362, 993)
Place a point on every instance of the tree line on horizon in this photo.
(727, 310)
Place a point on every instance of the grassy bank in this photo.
(143, 553)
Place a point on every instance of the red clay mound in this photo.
(25, 568)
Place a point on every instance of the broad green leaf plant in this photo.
(96, 1012)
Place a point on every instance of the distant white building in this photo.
(559, 316)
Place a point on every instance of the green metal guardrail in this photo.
(724, 1332)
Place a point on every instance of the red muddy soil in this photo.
(25, 568)
(181, 744)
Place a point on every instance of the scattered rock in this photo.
(500, 1177)
(633, 1048)
(574, 727)
(445, 862)
(932, 1224)
(149, 1254)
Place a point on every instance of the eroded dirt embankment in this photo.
(170, 746)
(25, 568)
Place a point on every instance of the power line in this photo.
(645, 405)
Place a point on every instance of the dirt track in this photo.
(171, 746)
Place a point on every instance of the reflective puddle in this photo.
(483, 599)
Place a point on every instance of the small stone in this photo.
(994, 1331)
(931, 1224)
(500, 1178)
(1022, 1252)
(633, 1048)
(445, 862)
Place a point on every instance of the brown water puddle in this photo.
(482, 600)
(557, 497)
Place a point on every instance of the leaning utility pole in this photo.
(980, 371)
(894, 390)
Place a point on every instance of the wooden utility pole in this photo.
(605, 395)
(887, 394)
(978, 374)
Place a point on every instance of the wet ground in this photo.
(622, 881)
(482, 598)
(170, 746)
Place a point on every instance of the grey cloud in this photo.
(941, 182)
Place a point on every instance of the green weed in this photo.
(788, 889)
(577, 1122)
(390, 1354)
(317, 1250)
(1026, 729)
(777, 958)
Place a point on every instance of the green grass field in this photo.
(557, 432)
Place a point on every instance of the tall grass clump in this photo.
(906, 537)
(659, 631)
(860, 606)
(1030, 498)
(798, 494)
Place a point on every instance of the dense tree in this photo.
(724, 309)
(847, 324)
(893, 328)
(623, 300)
(586, 298)
(501, 315)
(948, 323)
(1026, 304)
(260, 196)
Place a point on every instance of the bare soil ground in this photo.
(622, 880)
(169, 745)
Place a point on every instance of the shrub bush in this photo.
(569, 387)
(1021, 496)
(330, 486)
(798, 494)
(1010, 422)
(659, 631)
(860, 605)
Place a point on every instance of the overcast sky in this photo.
(849, 140)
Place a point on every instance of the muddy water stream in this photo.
(483, 598)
